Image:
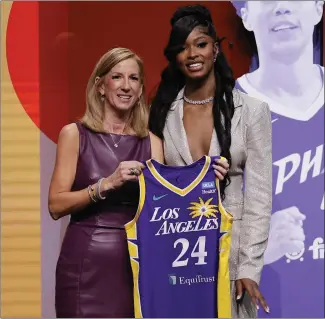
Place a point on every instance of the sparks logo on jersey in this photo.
(199, 209)
(203, 209)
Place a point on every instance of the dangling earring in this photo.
(102, 97)
(215, 59)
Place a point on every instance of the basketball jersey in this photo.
(298, 180)
(179, 243)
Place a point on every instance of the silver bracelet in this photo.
(99, 195)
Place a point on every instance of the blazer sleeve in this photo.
(257, 194)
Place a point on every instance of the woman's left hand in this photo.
(250, 286)
(221, 168)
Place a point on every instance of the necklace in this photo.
(118, 142)
(199, 102)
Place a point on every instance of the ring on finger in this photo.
(132, 171)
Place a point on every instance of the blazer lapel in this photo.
(176, 129)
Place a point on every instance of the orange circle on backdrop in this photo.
(53, 46)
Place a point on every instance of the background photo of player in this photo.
(286, 72)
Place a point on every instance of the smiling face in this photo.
(282, 27)
(197, 58)
(122, 85)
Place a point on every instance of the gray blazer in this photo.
(251, 150)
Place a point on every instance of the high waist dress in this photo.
(93, 274)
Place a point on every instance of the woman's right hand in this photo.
(126, 171)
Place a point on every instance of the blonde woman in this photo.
(97, 164)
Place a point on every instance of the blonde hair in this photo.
(94, 115)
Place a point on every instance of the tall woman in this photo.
(197, 111)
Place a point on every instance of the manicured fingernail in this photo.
(257, 307)
(238, 297)
(267, 309)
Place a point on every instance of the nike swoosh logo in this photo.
(158, 197)
(274, 120)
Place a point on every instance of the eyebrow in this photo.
(201, 37)
(119, 73)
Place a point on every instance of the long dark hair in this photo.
(184, 20)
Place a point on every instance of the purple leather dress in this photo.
(93, 274)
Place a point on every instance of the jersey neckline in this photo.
(153, 165)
